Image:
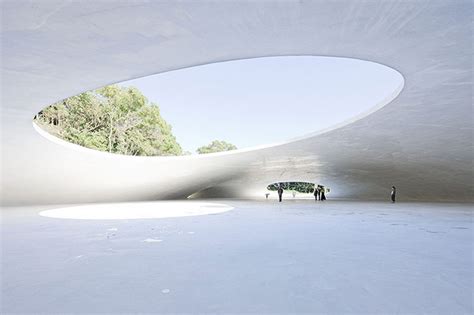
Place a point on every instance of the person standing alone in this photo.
(316, 193)
(393, 193)
(280, 192)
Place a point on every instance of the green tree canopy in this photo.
(302, 187)
(113, 119)
(216, 146)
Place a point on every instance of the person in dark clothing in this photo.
(393, 193)
(323, 194)
(280, 192)
(316, 194)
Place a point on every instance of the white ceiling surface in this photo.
(421, 142)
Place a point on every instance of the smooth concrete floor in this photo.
(261, 257)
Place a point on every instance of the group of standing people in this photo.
(319, 193)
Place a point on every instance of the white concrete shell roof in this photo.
(420, 142)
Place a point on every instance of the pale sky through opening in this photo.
(265, 100)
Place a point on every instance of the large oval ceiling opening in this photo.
(260, 101)
(263, 101)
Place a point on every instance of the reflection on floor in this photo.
(261, 257)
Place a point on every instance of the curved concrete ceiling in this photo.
(421, 142)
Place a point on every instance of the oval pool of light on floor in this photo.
(137, 210)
